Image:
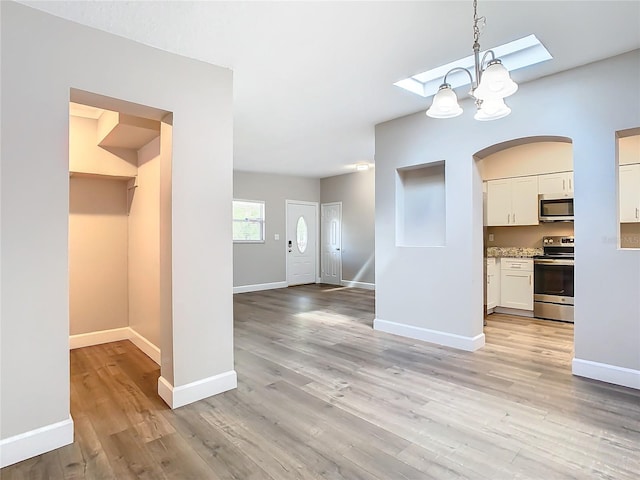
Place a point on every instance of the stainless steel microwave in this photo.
(555, 208)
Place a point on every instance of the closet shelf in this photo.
(103, 176)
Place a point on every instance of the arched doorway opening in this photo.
(528, 238)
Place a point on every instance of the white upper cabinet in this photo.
(556, 183)
(630, 193)
(499, 202)
(512, 201)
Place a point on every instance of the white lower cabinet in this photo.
(493, 283)
(516, 283)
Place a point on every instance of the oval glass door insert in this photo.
(301, 234)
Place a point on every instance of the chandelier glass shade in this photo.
(491, 85)
(445, 103)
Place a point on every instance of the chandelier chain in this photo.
(478, 24)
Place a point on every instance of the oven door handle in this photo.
(539, 261)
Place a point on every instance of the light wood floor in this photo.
(322, 395)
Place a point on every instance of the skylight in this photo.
(514, 55)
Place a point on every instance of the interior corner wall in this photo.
(440, 289)
(43, 57)
(263, 265)
(144, 246)
(356, 191)
(86, 156)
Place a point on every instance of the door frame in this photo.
(286, 226)
(322, 205)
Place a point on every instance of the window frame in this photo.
(262, 220)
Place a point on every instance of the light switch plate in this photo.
(276, 236)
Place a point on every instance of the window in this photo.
(248, 221)
(301, 234)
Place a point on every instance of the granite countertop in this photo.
(513, 252)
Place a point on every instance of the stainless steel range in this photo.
(553, 279)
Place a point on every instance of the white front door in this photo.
(301, 242)
(331, 253)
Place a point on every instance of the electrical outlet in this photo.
(491, 237)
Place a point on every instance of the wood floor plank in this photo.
(323, 396)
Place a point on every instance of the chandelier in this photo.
(492, 84)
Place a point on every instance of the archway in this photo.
(517, 177)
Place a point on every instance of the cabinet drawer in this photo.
(517, 264)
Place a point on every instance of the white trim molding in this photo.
(148, 348)
(452, 340)
(182, 395)
(353, 284)
(259, 287)
(115, 335)
(35, 442)
(99, 337)
(626, 377)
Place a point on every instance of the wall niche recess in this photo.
(420, 205)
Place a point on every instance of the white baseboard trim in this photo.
(148, 348)
(115, 335)
(453, 340)
(259, 287)
(627, 377)
(514, 311)
(182, 395)
(35, 442)
(352, 284)
(100, 337)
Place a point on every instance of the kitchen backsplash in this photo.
(526, 237)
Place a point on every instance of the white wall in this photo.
(43, 57)
(356, 191)
(264, 263)
(529, 159)
(439, 290)
(144, 246)
(98, 278)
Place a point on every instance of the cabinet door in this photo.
(498, 202)
(516, 289)
(492, 292)
(524, 201)
(630, 193)
(555, 183)
(493, 283)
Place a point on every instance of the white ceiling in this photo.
(311, 79)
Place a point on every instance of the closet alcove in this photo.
(114, 229)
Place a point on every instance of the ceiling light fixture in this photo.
(492, 84)
(362, 167)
